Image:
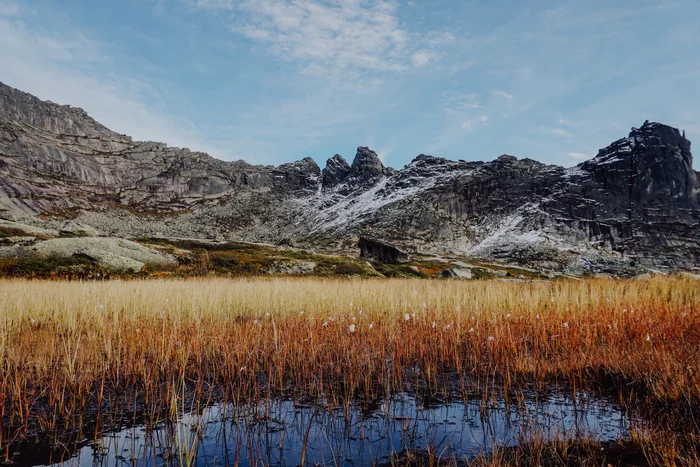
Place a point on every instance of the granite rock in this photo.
(634, 206)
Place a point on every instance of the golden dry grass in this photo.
(69, 347)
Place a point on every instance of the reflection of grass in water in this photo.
(66, 347)
(267, 433)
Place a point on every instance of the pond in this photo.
(285, 433)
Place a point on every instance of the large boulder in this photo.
(76, 229)
(380, 251)
(293, 268)
(29, 230)
(114, 254)
(111, 261)
(457, 273)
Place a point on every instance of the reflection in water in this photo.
(280, 432)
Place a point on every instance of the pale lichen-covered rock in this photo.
(294, 268)
(28, 229)
(111, 261)
(75, 229)
(102, 249)
(457, 273)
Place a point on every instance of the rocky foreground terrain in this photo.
(633, 207)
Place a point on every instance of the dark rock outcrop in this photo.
(367, 168)
(380, 251)
(336, 171)
(457, 273)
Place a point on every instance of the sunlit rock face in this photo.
(635, 204)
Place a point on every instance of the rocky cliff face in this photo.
(636, 203)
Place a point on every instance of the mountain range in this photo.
(636, 204)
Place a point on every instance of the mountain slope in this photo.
(636, 202)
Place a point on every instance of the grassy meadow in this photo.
(73, 351)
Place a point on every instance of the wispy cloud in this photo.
(556, 131)
(453, 103)
(422, 58)
(8, 8)
(470, 124)
(345, 35)
(503, 94)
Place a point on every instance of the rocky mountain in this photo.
(636, 204)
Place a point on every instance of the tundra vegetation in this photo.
(96, 353)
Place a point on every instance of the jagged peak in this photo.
(306, 164)
(661, 133)
(366, 157)
(507, 158)
(367, 168)
(423, 158)
(337, 161)
(337, 170)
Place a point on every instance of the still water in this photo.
(282, 432)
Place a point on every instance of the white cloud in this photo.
(454, 103)
(421, 58)
(384, 151)
(469, 125)
(557, 131)
(504, 94)
(8, 8)
(214, 4)
(336, 37)
(342, 35)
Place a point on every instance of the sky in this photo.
(274, 81)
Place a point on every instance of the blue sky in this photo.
(272, 81)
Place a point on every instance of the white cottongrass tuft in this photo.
(351, 328)
(406, 316)
(491, 338)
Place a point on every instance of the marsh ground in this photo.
(81, 358)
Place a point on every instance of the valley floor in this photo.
(84, 359)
